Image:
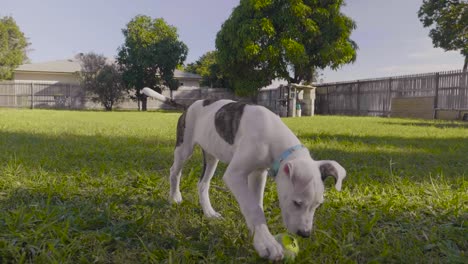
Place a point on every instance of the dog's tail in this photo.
(151, 93)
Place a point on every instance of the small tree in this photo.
(150, 55)
(264, 39)
(91, 64)
(208, 68)
(13, 47)
(448, 20)
(102, 82)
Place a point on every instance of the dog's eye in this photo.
(297, 204)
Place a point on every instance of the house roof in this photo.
(186, 75)
(72, 66)
(59, 66)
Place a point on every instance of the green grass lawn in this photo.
(81, 187)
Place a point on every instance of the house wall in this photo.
(189, 83)
(39, 76)
(73, 78)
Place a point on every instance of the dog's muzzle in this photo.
(303, 233)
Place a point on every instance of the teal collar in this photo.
(276, 165)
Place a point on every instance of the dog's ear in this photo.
(332, 168)
(288, 169)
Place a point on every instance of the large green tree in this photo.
(448, 20)
(288, 39)
(13, 46)
(208, 68)
(150, 54)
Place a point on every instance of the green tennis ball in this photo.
(290, 246)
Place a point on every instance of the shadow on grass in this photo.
(386, 156)
(106, 155)
(128, 220)
(70, 198)
(384, 230)
(97, 154)
(54, 226)
(436, 124)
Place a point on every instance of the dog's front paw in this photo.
(175, 198)
(266, 245)
(213, 214)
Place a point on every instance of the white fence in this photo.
(449, 91)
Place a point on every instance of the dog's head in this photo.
(300, 190)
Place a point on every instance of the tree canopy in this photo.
(150, 54)
(448, 20)
(13, 45)
(288, 39)
(208, 68)
(102, 81)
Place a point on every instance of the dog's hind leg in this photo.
(257, 181)
(209, 167)
(181, 154)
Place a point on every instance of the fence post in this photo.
(269, 98)
(32, 95)
(358, 99)
(16, 94)
(68, 97)
(389, 98)
(436, 96)
(328, 102)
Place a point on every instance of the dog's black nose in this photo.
(303, 233)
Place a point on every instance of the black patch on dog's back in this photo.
(180, 129)
(209, 101)
(227, 120)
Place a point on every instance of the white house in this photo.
(65, 71)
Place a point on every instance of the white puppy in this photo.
(253, 140)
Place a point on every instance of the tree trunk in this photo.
(144, 102)
(138, 99)
(254, 98)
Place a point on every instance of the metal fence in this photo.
(272, 99)
(275, 99)
(374, 96)
(22, 94)
(43, 94)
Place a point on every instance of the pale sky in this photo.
(391, 39)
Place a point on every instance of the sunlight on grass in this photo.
(80, 187)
